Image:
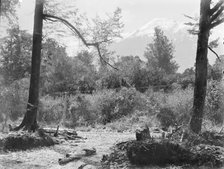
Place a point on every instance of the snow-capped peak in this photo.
(165, 24)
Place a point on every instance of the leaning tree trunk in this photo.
(30, 119)
(201, 68)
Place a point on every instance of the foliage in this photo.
(159, 53)
(134, 71)
(217, 69)
(214, 102)
(114, 105)
(177, 103)
(51, 110)
(122, 110)
(8, 8)
(13, 99)
(81, 112)
(16, 55)
(111, 80)
(187, 78)
(166, 117)
(56, 70)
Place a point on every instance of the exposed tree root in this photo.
(25, 140)
(22, 140)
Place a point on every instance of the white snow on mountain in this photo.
(135, 43)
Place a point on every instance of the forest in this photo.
(97, 109)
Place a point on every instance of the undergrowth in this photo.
(120, 110)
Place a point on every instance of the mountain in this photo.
(135, 43)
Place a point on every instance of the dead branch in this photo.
(66, 134)
(74, 30)
(214, 53)
(56, 132)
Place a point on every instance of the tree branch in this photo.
(74, 30)
(217, 14)
(216, 23)
(214, 53)
(99, 53)
(216, 7)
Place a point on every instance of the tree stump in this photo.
(142, 134)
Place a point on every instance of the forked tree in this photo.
(211, 15)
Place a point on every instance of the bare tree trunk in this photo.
(30, 119)
(201, 68)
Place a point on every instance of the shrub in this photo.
(177, 103)
(114, 105)
(51, 109)
(81, 113)
(166, 117)
(13, 99)
(181, 102)
(186, 82)
(214, 102)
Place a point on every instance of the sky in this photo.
(135, 13)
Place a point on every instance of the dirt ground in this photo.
(47, 157)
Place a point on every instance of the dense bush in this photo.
(124, 106)
(186, 82)
(51, 109)
(13, 99)
(214, 102)
(114, 105)
(166, 117)
(176, 104)
(81, 112)
(181, 102)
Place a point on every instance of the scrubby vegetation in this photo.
(74, 92)
(122, 109)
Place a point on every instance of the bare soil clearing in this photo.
(47, 157)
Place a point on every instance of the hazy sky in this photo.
(135, 12)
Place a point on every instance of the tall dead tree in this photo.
(209, 18)
(29, 121)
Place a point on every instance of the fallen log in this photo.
(60, 131)
(73, 157)
(67, 134)
(68, 159)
